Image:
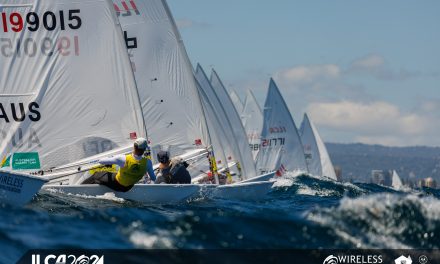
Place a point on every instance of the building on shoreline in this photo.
(427, 183)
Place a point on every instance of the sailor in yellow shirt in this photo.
(132, 168)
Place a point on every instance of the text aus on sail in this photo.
(20, 112)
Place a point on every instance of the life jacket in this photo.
(169, 173)
(133, 171)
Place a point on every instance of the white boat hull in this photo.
(250, 191)
(264, 177)
(169, 193)
(143, 193)
(18, 189)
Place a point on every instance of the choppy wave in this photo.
(301, 211)
(383, 221)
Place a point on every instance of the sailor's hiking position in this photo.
(132, 168)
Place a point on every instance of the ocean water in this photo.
(299, 212)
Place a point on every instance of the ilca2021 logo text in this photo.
(67, 259)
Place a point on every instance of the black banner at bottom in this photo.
(306, 256)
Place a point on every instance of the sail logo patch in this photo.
(122, 8)
(275, 130)
(26, 161)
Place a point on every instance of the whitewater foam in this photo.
(313, 185)
(109, 196)
(306, 190)
(288, 179)
(383, 220)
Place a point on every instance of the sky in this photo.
(364, 71)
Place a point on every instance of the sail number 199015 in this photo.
(49, 20)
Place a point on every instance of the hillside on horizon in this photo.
(411, 163)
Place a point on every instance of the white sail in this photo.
(396, 181)
(317, 158)
(234, 137)
(281, 147)
(236, 125)
(218, 133)
(67, 91)
(167, 89)
(238, 104)
(252, 119)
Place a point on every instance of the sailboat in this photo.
(281, 148)
(252, 119)
(236, 126)
(396, 182)
(316, 155)
(166, 95)
(169, 101)
(219, 134)
(240, 189)
(238, 104)
(67, 92)
(235, 136)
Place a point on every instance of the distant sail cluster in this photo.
(275, 141)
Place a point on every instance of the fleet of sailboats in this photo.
(105, 74)
(92, 102)
(235, 137)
